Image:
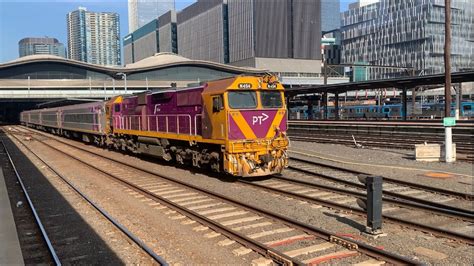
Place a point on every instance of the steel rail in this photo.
(121, 227)
(361, 195)
(32, 207)
(428, 205)
(242, 239)
(411, 224)
(466, 196)
(322, 233)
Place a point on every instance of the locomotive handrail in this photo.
(126, 122)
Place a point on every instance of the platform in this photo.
(10, 251)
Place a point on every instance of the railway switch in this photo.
(373, 203)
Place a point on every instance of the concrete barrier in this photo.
(428, 152)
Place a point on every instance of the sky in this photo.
(39, 18)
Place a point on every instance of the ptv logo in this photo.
(258, 119)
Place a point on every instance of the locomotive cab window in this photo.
(271, 99)
(242, 99)
(117, 107)
(217, 104)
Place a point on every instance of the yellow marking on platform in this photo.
(242, 220)
(250, 226)
(272, 232)
(225, 215)
(310, 249)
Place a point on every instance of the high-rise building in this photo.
(330, 15)
(94, 37)
(42, 45)
(407, 33)
(141, 12)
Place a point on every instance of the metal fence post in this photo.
(373, 203)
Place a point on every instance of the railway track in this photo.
(292, 242)
(383, 134)
(400, 208)
(55, 242)
(38, 245)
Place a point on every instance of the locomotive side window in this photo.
(117, 107)
(217, 104)
(242, 99)
(271, 99)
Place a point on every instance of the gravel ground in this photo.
(390, 163)
(75, 228)
(399, 240)
(159, 227)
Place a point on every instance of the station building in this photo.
(30, 80)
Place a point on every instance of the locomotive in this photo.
(236, 125)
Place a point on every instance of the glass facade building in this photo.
(408, 33)
(141, 12)
(94, 37)
(32, 46)
(330, 15)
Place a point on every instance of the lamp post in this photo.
(124, 77)
(113, 84)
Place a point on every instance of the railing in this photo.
(171, 123)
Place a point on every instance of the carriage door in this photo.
(218, 117)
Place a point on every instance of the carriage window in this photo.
(386, 110)
(217, 103)
(467, 108)
(271, 99)
(242, 99)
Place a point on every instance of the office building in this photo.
(330, 15)
(42, 45)
(158, 35)
(407, 33)
(94, 37)
(282, 36)
(141, 12)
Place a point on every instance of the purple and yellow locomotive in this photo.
(237, 125)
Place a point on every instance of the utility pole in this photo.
(447, 58)
(448, 121)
